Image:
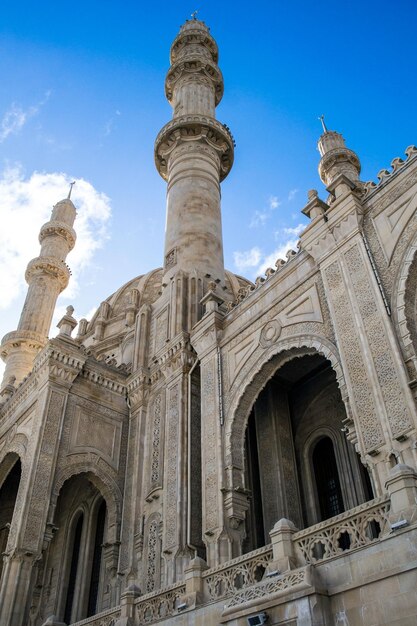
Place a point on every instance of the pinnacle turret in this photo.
(193, 153)
(47, 275)
(336, 158)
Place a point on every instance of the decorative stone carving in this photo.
(270, 333)
(211, 490)
(171, 258)
(39, 494)
(171, 486)
(156, 461)
(390, 223)
(153, 552)
(389, 383)
(370, 426)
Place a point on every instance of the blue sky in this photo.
(83, 97)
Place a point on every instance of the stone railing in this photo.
(240, 573)
(158, 605)
(105, 618)
(356, 528)
(273, 586)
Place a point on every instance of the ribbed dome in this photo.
(110, 332)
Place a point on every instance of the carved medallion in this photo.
(270, 333)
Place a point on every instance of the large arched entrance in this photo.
(74, 586)
(8, 494)
(298, 462)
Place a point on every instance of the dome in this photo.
(110, 332)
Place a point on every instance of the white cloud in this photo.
(15, 117)
(291, 194)
(13, 120)
(279, 253)
(258, 219)
(26, 204)
(247, 259)
(274, 203)
(110, 124)
(294, 231)
(256, 261)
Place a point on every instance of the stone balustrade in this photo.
(105, 618)
(158, 605)
(240, 573)
(355, 528)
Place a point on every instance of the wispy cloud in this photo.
(255, 261)
(259, 218)
(25, 204)
(291, 194)
(247, 259)
(110, 124)
(274, 203)
(16, 117)
(290, 231)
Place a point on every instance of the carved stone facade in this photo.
(210, 447)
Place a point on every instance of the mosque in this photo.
(207, 450)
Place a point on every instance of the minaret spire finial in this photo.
(321, 118)
(70, 190)
(194, 14)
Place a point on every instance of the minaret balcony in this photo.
(194, 128)
(49, 265)
(194, 66)
(55, 228)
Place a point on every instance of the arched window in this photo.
(96, 563)
(77, 579)
(327, 479)
(8, 495)
(75, 557)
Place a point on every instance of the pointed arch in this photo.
(8, 456)
(258, 370)
(404, 302)
(104, 482)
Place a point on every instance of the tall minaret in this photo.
(194, 153)
(47, 276)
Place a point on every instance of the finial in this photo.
(194, 14)
(70, 189)
(321, 118)
(67, 324)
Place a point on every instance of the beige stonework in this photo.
(206, 449)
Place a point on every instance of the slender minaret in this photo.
(47, 276)
(194, 153)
